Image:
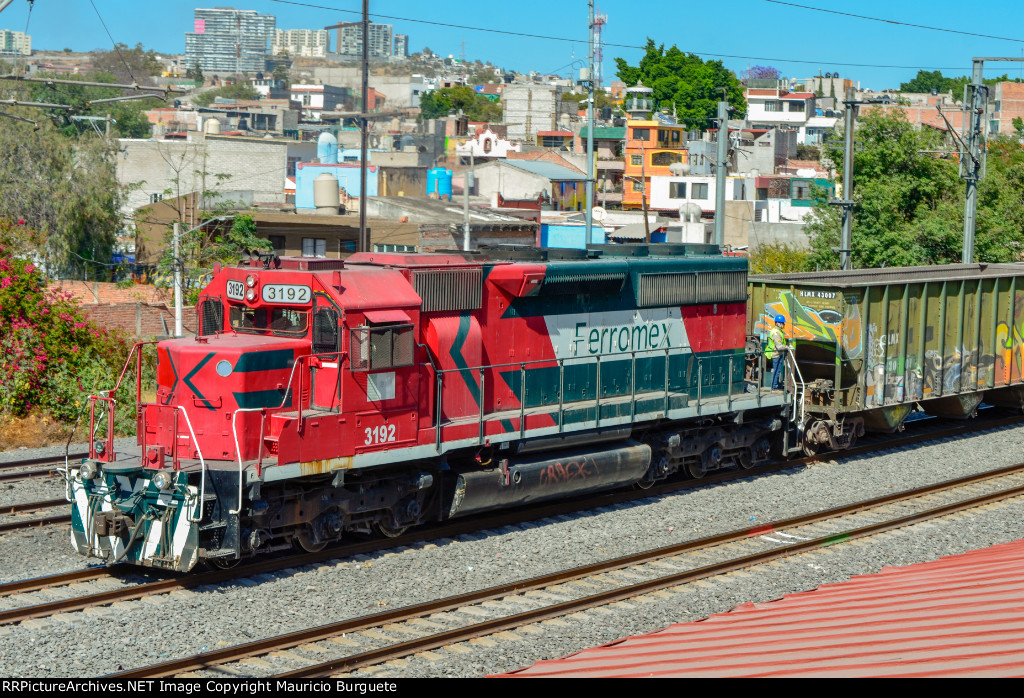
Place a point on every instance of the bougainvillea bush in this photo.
(51, 355)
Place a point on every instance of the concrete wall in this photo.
(530, 108)
(400, 92)
(348, 180)
(773, 233)
(152, 167)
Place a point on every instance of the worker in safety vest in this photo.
(774, 351)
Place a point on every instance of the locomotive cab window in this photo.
(384, 341)
(284, 322)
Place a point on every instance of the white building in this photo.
(670, 192)
(14, 43)
(486, 144)
(300, 42)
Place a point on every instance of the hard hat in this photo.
(780, 318)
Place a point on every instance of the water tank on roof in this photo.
(439, 183)
(326, 197)
(327, 149)
(212, 126)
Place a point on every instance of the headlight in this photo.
(88, 471)
(250, 281)
(250, 294)
(163, 480)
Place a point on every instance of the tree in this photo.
(601, 99)
(905, 212)
(65, 188)
(762, 72)
(686, 82)
(195, 73)
(128, 63)
(241, 90)
(777, 258)
(477, 107)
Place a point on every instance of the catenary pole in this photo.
(364, 235)
(721, 171)
(590, 131)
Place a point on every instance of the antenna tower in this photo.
(599, 21)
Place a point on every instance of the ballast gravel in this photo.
(139, 633)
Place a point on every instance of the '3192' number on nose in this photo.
(379, 435)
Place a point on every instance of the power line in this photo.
(626, 46)
(893, 21)
(126, 66)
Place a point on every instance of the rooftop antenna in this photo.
(599, 21)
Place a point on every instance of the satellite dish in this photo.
(806, 172)
(598, 213)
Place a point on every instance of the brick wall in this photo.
(143, 311)
(100, 292)
(140, 320)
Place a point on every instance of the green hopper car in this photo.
(871, 344)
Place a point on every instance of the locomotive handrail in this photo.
(560, 362)
(202, 465)
(238, 451)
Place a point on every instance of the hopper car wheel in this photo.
(389, 531)
(308, 543)
(810, 449)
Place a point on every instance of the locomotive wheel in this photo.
(697, 469)
(221, 563)
(810, 450)
(388, 531)
(306, 542)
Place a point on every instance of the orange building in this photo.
(651, 147)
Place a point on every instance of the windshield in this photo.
(286, 322)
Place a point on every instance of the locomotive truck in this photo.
(323, 397)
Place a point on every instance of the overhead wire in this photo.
(528, 35)
(896, 22)
(126, 66)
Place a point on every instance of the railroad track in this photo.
(450, 621)
(77, 600)
(15, 470)
(35, 522)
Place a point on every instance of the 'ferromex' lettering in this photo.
(609, 340)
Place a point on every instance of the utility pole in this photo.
(721, 169)
(364, 235)
(176, 252)
(845, 248)
(467, 182)
(972, 167)
(846, 240)
(643, 192)
(590, 133)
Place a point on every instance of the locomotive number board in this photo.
(286, 293)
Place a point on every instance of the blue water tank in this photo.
(439, 183)
(327, 149)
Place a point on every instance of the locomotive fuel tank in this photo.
(513, 482)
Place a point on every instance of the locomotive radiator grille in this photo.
(657, 290)
(445, 290)
(211, 317)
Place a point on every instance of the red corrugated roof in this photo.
(961, 615)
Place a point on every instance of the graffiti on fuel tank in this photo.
(561, 473)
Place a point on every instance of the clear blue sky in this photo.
(756, 32)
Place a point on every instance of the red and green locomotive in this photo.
(387, 390)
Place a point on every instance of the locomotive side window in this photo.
(381, 347)
(325, 331)
(284, 322)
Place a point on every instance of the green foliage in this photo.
(928, 80)
(66, 189)
(241, 90)
(439, 103)
(129, 119)
(909, 203)
(136, 63)
(685, 81)
(195, 73)
(1018, 126)
(601, 99)
(778, 258)
(51, 355)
